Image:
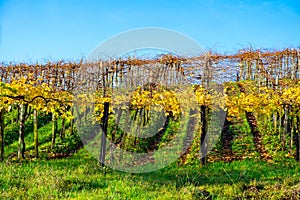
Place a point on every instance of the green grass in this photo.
(80, 177)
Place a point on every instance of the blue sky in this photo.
(69, 29)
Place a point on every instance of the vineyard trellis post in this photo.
(35, 133)
(63, 127)
(54, 130)
(205, 109)
(297, 137)
(1, 134)
(104, 133)
(21, 147)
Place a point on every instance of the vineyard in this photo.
(257, 91)
(217, 126)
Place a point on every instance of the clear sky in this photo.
(35, 30)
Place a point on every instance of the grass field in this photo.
(68, 171)
(61, 174)
(80, 177)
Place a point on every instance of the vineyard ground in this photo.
(80, 177)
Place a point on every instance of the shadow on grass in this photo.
(237, 172)
(77, 185)
(242, 172)
(82, 172)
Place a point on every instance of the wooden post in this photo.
(287, 67)
(54, 124)
(275, 118)
(285, 126)
(292, 131)
(203, 134)
(63, 127)
(275, 114)
(242, 66)
(35, 133)
(21, 146)
(104, 133)
(296, 132)
(72, 120)
(292, 67)
(1, 134)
